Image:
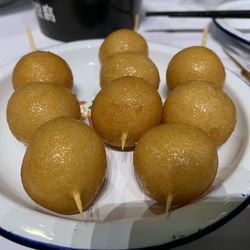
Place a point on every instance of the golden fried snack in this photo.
(124, 110)
(64, 166)
(33, 104)
(175, 163)
(122, 40)
(129, 64)
(203, 105)
(195, 63)
(42, 66)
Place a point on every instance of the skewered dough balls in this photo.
(122, 40)
(124, 110)
(33, 104)
(129, 64)
(64, 163)
(195, 63)
(176, 162)
(42, 66)
(203, 105)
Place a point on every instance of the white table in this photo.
(13, 43)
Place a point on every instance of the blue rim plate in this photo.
(238, 29)
(123, 217)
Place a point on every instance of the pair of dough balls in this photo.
(203, 105)
(195, 63)
(125, 53)
(36, 103)
(42, 66)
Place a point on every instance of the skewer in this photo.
(204, 37)
(136, 23)
(31, 40)
(246, 74)
(77, 198)
(244, 71)
(169, 201)
(124, 137)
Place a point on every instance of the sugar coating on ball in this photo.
(122, 40)
(203, 105)
(175, 161)
(195, 63)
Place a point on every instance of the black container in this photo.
(69, 20)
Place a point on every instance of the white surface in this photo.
(13, 43)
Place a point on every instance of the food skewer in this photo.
(31, 40)
(204, 37)
(124, 137)
(244, 71)
(136, 22)
(77, 199)
(169, 201)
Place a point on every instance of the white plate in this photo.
(237, 28)
(123, 217)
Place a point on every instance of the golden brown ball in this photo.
(122, 40)
(33, 104)
(203, 105)
(126, 107)
(129, 64)
(65, 157)
(42, 66)
(195, 63)
(176, 162)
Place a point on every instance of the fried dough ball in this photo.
(64, 163)
(42, 66)
(195, 63)
(203, 105)
(124, 110)
(129, 64)
(33, 104)
(122, 40)
(175, 162)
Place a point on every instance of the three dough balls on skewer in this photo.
(60, 170)
(64, 166)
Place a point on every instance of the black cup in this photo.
(69, 20)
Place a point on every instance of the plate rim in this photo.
(177, 242)
(231, 33)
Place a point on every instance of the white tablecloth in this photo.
(16, 17)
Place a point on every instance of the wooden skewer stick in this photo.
(77, 198)
(204, 37)
(124, 137)
(136, 22)
(31, 40)
(169, 201)
(246, 74)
